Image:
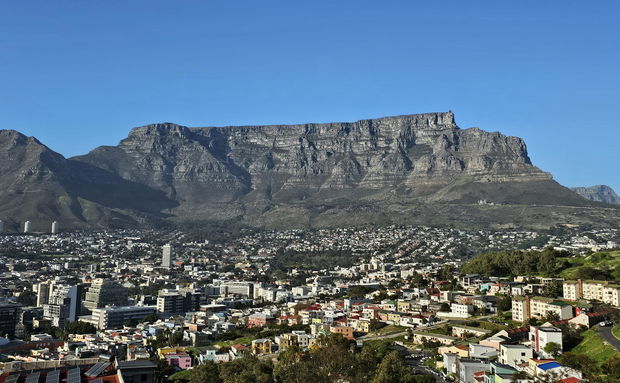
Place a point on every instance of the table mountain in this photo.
(421, 166)
(600, 193)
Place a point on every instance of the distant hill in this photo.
(412, 169)
(600, 193)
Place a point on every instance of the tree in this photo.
(205, 373)
(79, 327)
(246, 370)
(580, 362)
(444, 307)
(504, 303)
(393, 370)
(552, 317)
(27, 298)
(553, 289)
(612, 368)
(376, 325)
(151, 318)
(293, 367)
(447, 272)
(553, 349)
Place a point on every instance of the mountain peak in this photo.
(599, 193)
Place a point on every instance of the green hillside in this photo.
(602, 265)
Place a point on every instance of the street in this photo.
(608, 336)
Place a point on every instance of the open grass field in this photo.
(594, 347)
(387, 330)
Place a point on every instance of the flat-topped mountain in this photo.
(600, 193)
(279, 175)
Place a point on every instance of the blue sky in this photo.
(79, 74)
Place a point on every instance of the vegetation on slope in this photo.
(594, 347)
(548, 262)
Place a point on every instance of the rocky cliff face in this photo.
(258, 174)
(283, 161)
(600, 193)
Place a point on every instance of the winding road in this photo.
(608, 336)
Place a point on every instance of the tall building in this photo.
(55, 227)
(180, 301)
(104, 292)
(43, 293)
(27, 226)
(1, 226)
(166, 258)
(170, 302)
(65, 304)
(9, 318)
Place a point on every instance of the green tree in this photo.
(504, 303)
(553, 349)
(580, 362)
(393, 370)
(27, 298)
(293, 366)
(79, 327)
(205, 373)
(151, 318)
(246, 370)
(612, 368)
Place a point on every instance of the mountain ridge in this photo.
(302, 174)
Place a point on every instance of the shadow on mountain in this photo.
(109, 190)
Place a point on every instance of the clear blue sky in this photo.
(79, 74)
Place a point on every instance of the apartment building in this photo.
(602, 291)
(524, 308)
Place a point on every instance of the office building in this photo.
(1, 226)
(42, 290)
(65, 304)
(27, 226)
(9, 318)
(116, 317)
(166, 258)
(55, 227)
(104, 292)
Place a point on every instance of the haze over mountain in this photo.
(419, 168)
(600, 193)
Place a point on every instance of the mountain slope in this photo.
(600, 193)
(42, 186)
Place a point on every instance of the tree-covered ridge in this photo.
(548, 263)
(518, 262)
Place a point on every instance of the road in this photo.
(608, 336)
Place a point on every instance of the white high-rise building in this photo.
(55, 227)
(1, 226)
(166, 258)
(27, 226)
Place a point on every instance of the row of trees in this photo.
(336, 360)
